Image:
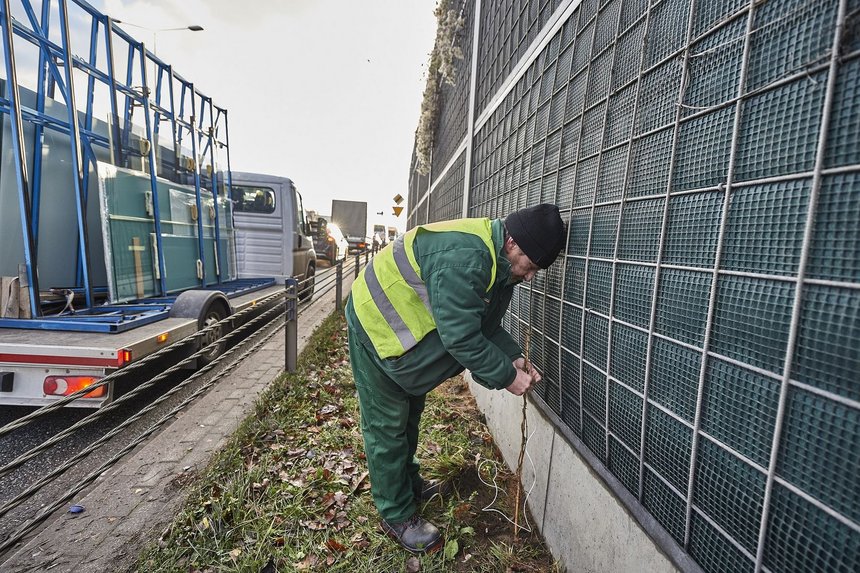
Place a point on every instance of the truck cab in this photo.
(273, 237)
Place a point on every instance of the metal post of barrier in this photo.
(338, 286)
(291, 327)
(357, 263)
(366, 256)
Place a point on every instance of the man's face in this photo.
(522, 267)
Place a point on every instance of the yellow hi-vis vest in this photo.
(390, 298)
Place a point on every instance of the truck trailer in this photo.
(351, 217)
(122, 228)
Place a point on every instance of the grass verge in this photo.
(290, 491)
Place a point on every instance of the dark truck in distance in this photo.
(351, 217)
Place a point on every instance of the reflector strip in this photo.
(62, 360)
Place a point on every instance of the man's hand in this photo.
(524, 379)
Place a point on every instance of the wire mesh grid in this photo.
(724, 230)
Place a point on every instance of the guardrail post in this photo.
(338, 287)
(291, 329)
(357, 263)
(366, 256)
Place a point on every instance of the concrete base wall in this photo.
(584, 524)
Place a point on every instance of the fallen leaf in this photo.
(235, 553)
(334, 545)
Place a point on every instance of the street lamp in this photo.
(155, 31)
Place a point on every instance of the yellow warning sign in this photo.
(397, 211)
(398, 199)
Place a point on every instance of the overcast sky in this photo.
(326, 92)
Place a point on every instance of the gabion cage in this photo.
(700, 335)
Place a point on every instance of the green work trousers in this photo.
(389, 425)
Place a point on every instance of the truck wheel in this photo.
(209, 308)
(307, 288)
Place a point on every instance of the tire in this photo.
(307, 292)
(209, 308)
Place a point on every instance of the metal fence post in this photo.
(291, 329)
(357, 263)
(338, 287)
(366, 256)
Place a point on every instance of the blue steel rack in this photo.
(185, 113)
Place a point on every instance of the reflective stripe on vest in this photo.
(390, 298)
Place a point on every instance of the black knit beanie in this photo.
(539, 232)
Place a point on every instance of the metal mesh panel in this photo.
(604, 229)
(627, 362)
(779, 129)
(446, 200)
(666, 505)
(843, 137)
(667, 30)
(713, 551)
(827, 355)
(640, 230)
(739, 409)
(835, 248)
(633, 104)
(650, 160)
(787, 37)
(624, 464)
(667, 447)
(715, 68)
(625, 415)
(628, 55)
(802, 537)
(596, 341)
(764, 232)
(634, 288)
(703, 150)
(828, 475)
(674, 378)
(599, 287)
(693, 228)
(659, 96)
(613, 166)
(682, 305)
(730, 492)
(619, 119)
(751, 320)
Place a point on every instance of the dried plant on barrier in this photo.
(441, 68)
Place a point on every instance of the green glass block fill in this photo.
(843, 136)
(682, 305)
(641, 223)
(624, 465)
(730, 492)
(779, 130)
(802, 537)
(665, 505)
(599, 286)
(764, 231)
(674, 378)
(667, 447)
(751, 321)
(713, 552)
(819, 451)
(694, 226)
(625, 415)
(627, 356)
(835, 249)
(739, 409)
(634, 289)
(827, 354)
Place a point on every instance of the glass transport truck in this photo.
(122, 228)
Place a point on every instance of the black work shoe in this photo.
(433, 487)
(416, 534)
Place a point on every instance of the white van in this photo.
(273, 238)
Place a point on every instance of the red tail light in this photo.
(65, 385)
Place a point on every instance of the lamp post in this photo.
(155, 31)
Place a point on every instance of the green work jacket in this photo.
(456, 268)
